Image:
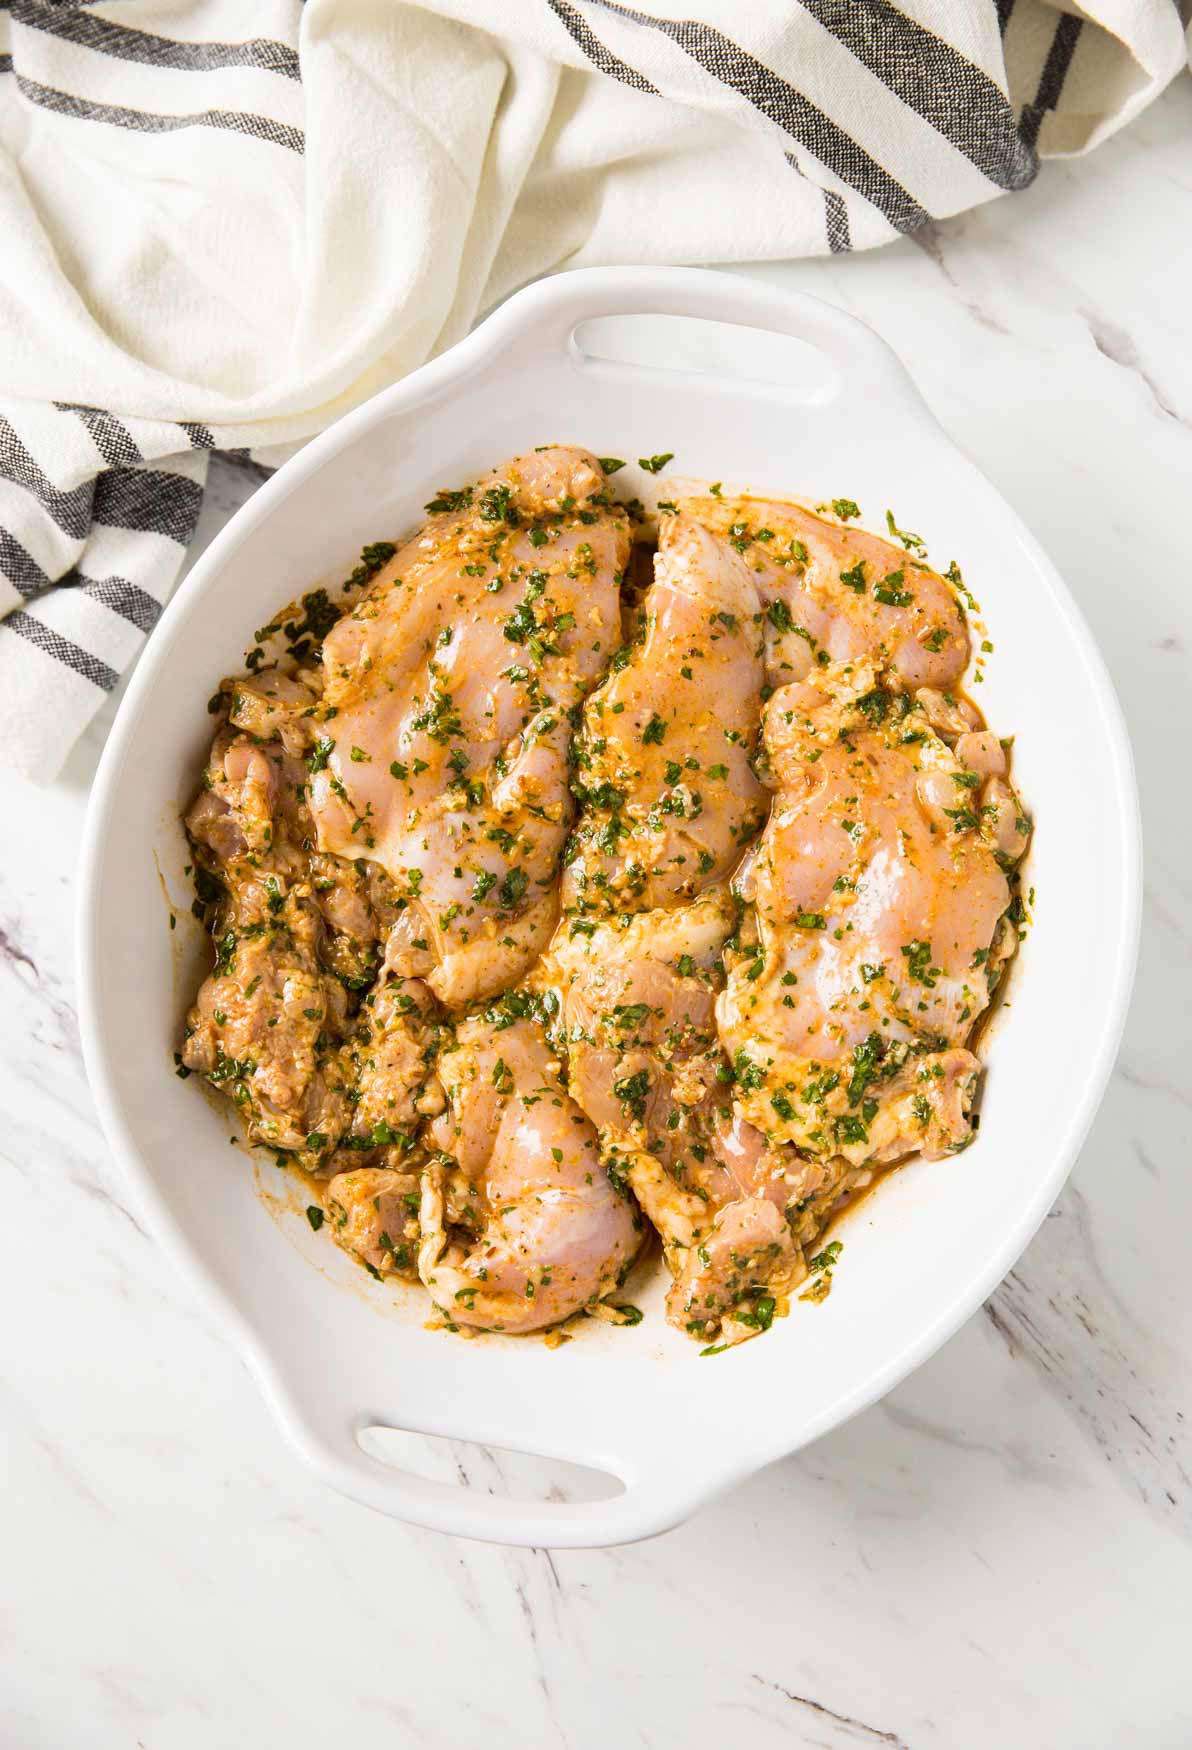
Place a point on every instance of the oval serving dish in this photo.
(336, 1354)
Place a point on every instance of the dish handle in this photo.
(861, 362)
(327, 1438)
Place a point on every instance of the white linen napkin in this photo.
(222, 241)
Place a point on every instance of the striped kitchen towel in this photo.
(215, 240)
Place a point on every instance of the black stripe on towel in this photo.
(70, 510)
(836, 216)
(146, 121)
(789, 109)
(106, 37)
(126, 599)
(198, 436)
(150, 501)
(835, 212)
(949, 91)
(1051, 82)
(113, 440)
(600, 55)
(71, 655)
(20, 568)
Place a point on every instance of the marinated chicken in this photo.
(373, 1212)
(669, 796)
(877, 927)
(647, 1066)
(557, 896)
(267, 1023)
(522, 1225)
(445, 718)
(833, 593)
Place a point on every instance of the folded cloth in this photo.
(216, 241)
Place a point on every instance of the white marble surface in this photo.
(999, 1554)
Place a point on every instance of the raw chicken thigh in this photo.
(832, 592)
(522, 1226)
(296, 934)
(444, 726)
(639, 1013)
(877, 929)
(663, 763)
(647, 1067)
(373, 1212)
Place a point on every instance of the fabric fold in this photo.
(224, 227)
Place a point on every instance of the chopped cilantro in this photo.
(918, 963)
(446, 499)
(512, 887)
(372, 557)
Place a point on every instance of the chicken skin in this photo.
(444, 725)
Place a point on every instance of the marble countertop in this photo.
(998, 1554)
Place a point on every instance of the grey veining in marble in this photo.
(998, 1554)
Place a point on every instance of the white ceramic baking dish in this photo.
(336, 1354)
